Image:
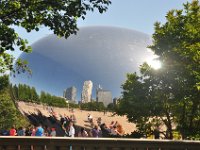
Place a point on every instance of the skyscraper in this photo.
(104, 96)
(86, 94)
(70, 94)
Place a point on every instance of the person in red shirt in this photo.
(13, 131)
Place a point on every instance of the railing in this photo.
(62, 143)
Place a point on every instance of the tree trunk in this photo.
(168, 123)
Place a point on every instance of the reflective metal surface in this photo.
(101, 54)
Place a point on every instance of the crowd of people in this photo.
(37, 130)
(98, 129)
(70, 129)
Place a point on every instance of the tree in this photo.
(3, 82)
(60, 16)
(28, 94)
(34, 95)
(137, 106)
(43, 97)
(15, 91)
(177, 44)
(9, 115)
(172, 92)
(21, 92)
(93, 106)
(111, 107)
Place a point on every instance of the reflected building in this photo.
(86, 94)
(104, 96)
(101, 54)
(116, 100)
(70, 94)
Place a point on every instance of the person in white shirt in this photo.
(90, 117)
(71, 129)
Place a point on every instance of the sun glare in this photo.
(155, 64)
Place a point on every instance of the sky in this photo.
(138, 15)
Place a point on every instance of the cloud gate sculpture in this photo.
(103, 55)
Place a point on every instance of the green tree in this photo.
(21, 92)
(171, 93)
(134, 103)
(58, 102)
(60, 16)
(93, 106)
(100, 106)
(15, 91)
(73, 105)
(43, 97)
(27, 92)
(9, 115)
(49, 99)
(34, 95)
(177, 44)
(3, 82)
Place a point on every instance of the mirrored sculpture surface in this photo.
(103, 55)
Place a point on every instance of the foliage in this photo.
(133, 89)
(111, 107)
(177, 44)
(92, 106)
(3, 82)
(60, 16)
(9, 115)
(23, 92)
(180, 35)
(135, 134)
(170, 94)
(50, 100)
(73, 105)
(139, 105)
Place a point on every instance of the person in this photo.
(66, 129)
(71, 129)
(83, 133)
(13, 131)
(92, 123)
(47, 131)
(39, 130)
(21, 131)
(114, 131)
(116, 123)
(33, 130)
(62, 119)
(99, 121)
(66, 122)
(104, 112)
(120, 129)
(53, 132)
(112, 124)
(105, 130)
(4, 132)
(95, 131)
(28, 131)
(90, 117)
(73, 118)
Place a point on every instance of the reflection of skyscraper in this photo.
(86, 94)
(104, 96)
(116, 100)
(70, 93)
